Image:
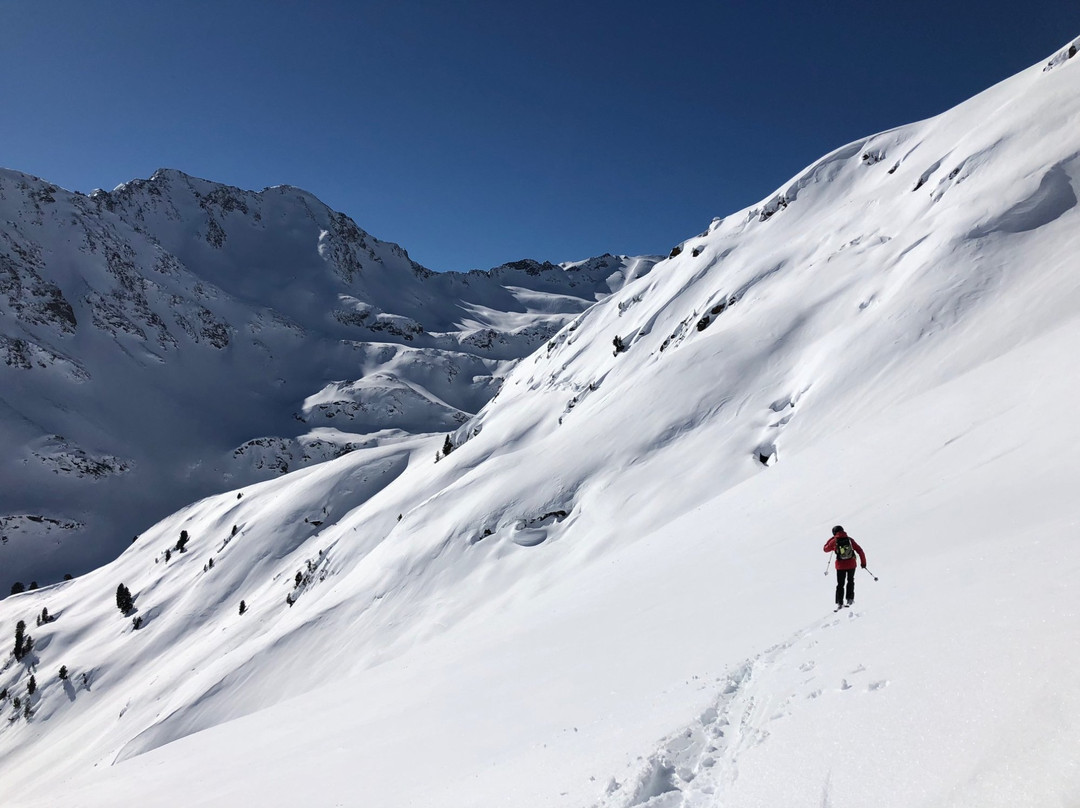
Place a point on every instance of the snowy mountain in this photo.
(609, 593)
(175, 338)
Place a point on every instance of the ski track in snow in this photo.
(694, 766)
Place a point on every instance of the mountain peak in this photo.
(166, 292)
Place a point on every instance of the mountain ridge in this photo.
(132, 312)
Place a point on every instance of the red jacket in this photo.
(849, 564)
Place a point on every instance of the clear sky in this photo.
(475, 132)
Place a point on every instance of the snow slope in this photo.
(177, 337)
(610, 593)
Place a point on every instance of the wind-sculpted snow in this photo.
(605, 586)
(1053, 198)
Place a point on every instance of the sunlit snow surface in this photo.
(612, 593)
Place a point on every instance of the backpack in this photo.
(844, 550)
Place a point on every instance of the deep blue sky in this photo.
(478, 132)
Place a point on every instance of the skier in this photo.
(845, 548)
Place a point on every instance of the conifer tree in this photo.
(31, 686)
(20, 630)
(124, 602)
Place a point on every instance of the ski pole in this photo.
(871, 574)
(827, 562)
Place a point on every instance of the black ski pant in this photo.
(843, 588)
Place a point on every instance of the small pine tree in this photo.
(235, 530)
(16, 702)
(243, 607)
(63, 673)
(124, 602)
(18, 587)
(26, 710)
(33, 585)
(67, 576)
(298, 579)
(210, 563)
(31, 686)
(447, 447)
(3, 694)
(168, 555)
(20, 630)
(182, 542)
(136, 622)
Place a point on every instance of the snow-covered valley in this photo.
(610, 592)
